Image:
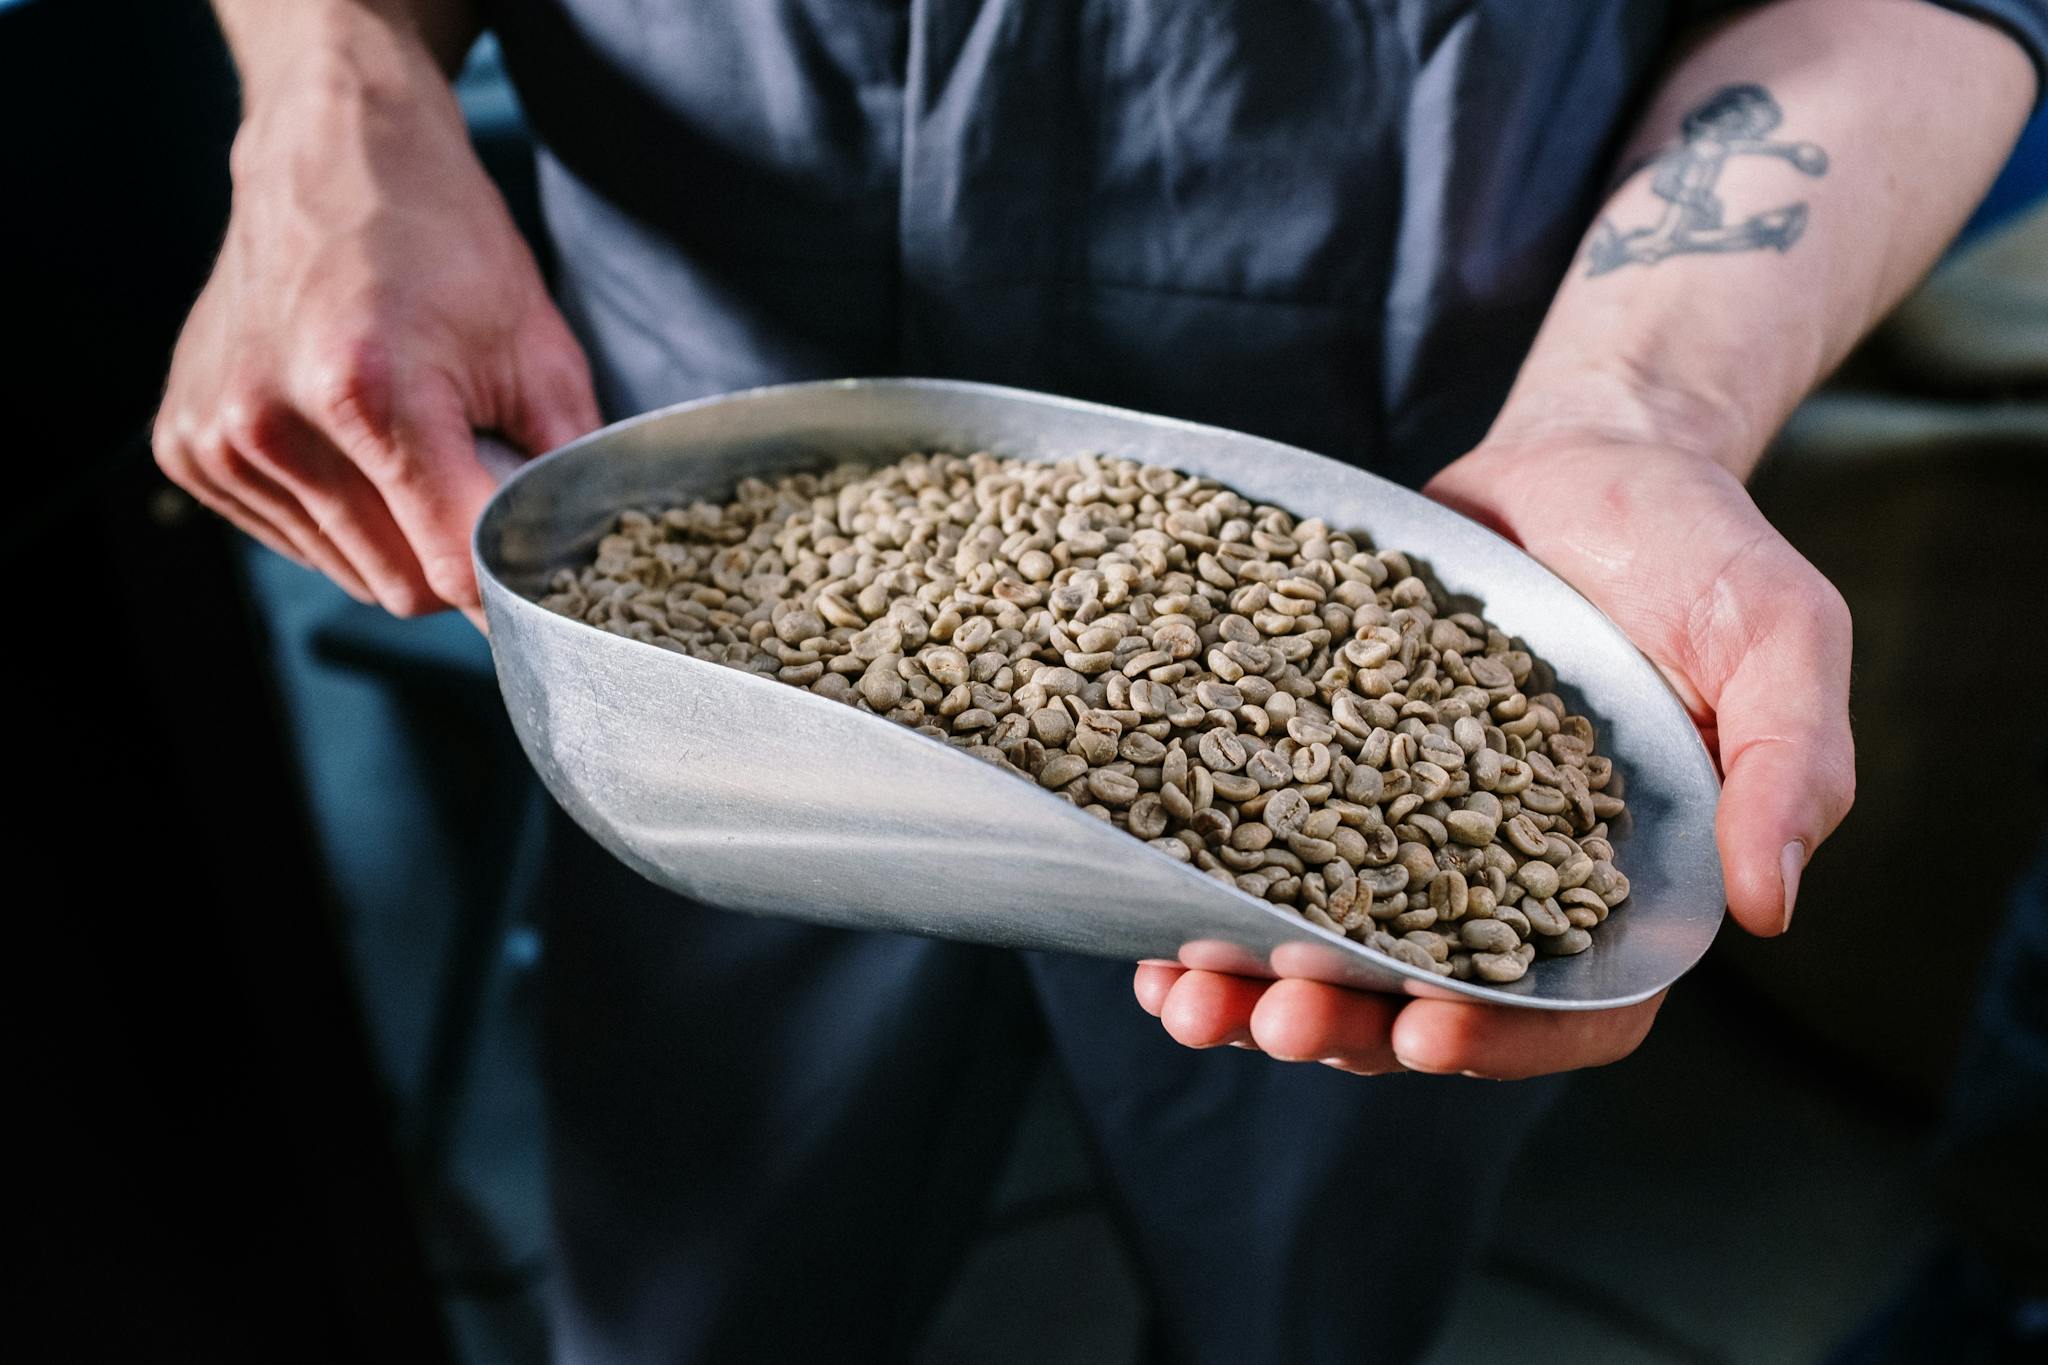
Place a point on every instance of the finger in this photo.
(1152, 982)
(255, 490)
(1301, 1021)
(1208, 1009)
(245, 521)
(414, 444)
(342, 504)
(1453, 1037)
(1787, 754)
(174, 458)
(555, 401)
(230, 485)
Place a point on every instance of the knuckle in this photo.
(564, 380)
(409, 600)
(254, 422)
(1805, 614)
(1834, 611)
(556, 354)
(167, 446)
(349, 382)
(548, 348)
(395, 467)
(243, 156)
(1837, 771)
(214, 458)
(449, 582)
(449, 574)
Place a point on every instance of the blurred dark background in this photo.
(215, 1168)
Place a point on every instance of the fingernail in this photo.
(1791, 863)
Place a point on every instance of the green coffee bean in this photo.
(1488, 936)
(1419, 860)
(1525, 836)
(1566, 944)
(1540, 879)
(1285, 811)
(1436, 945)
(1381, 845)
(1410, 953)
(1544, 916)
(1513, 918)
(1320, 824)
(1112, 788)
(1578, 901)
(1384, 881)
(1606, 882)
(1061, 769)
(1234, 786)
(1252, 836)
(1480, 902)
(1449, 896)
(1269, 770)
(1221, 751)
(1499, 968)
(1471, 827)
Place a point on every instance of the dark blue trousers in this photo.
(767, 1141)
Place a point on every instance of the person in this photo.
(1358, 230)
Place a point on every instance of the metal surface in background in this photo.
(747, 793)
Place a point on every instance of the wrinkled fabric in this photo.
(1336, 225)
(1333, 224)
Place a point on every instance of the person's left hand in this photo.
(1754, 640)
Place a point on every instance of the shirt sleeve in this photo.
(2025, 20)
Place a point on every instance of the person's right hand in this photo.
(372, 307)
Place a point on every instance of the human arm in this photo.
(1649, 395)
(373, 305)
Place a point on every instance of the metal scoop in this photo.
(747, 793)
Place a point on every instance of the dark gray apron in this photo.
(1338, 225)
(1334, 224)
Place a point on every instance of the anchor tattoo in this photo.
(1734, 121)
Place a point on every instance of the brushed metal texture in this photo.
(749, 794)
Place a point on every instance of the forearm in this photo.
(357, 46)
(346, 105)
(1739, 261)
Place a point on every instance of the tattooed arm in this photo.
(1804, 164)
(1800, 168)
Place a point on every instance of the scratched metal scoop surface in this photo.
(747, 793)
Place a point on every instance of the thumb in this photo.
(1787, 754)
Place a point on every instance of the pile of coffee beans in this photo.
(1266, 698)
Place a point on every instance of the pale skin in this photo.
(373, 306)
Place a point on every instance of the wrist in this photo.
(351, 113)
(1618, 404)
(1543, 471)
(316, 58)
